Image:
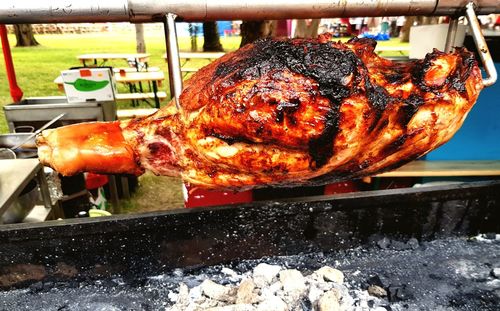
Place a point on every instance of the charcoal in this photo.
(48, 285)
(452, 274)
(398, 245)
(379, 280)
(399, 293)
(36, 287)
(413, 243)
(384, 243)
(490, 235)
(306, 304)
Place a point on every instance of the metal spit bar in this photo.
(71, 11)
(174, 64)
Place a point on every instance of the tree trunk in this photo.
(306, 28)
(140, 45)
(253, 30)
(193, 34)
(405, 30)
(211, 39)
(24, 35)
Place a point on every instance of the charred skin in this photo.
(293, 112)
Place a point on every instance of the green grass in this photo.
(37, 67)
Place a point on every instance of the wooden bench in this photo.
(186, 56)
(104, 57)
(424, 168)
(400, 49)
(124, 114)
(140, 96)
(132, 69)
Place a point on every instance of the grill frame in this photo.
(133, 246)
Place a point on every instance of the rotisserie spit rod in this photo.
(70, 11)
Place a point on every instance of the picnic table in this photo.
(104, 57)
(186, 56)
(401, 49)
(134, 80)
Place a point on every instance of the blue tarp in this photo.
(379, 36)
(183, 28)
(479, 137)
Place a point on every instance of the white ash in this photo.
(495, 272)
(264, 274)
(273, 288)
(487, 237)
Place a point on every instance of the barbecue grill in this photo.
(73, 256)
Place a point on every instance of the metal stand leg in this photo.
(125, 187)
(113, 190)
(174, 64)
(131, 91)
(155, 92)
(482, 48)
(452, 33)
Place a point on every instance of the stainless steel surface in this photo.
(174, 64)
(27, 150)
(13, 139)
(54, 11)
(452, 33)
(457, 7)
(69, 11)
(21, 207)
(264, 9)
(32, 135)
(14, 176)
(6, 153)
(38, 110)
(482, 48)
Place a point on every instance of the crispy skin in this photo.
(295, 112)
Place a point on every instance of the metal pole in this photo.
(174, 64)
(63, 11)
(452, 33)
(15, 91)
(74, 11)
(482, 48)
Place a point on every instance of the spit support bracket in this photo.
(173, 60)
(480, 42)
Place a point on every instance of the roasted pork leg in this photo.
(284, 113)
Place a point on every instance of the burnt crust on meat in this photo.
(287, 79)
(283, 112)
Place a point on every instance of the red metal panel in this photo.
(15, 91)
